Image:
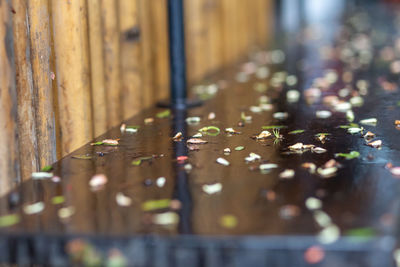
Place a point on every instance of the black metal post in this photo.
(177, 52)
(177, 57)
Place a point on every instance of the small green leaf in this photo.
(245, 118)
(350, 125)
(163, 114)
(273, 127)
(210, 130)
(133, 127)
(47, 168)
(228, 221)
(239, 148)
(97, 143)
(319, 134)
(297, 132)
(82, 157)
(365, 232)
(351, 155)
(139, 161)
(8, 220)
(157, 204)
(58, 200)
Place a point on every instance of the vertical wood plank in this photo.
(265, 20)
(146, 43)
(97, 68)
(160, 49)
(39, 27)
(73, 72)
(214, 26)
(197, 42)
(228, 8)
(111, 53)
(28, 155)
(9, 167)
(130, 58)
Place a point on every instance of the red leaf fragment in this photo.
(182, 159)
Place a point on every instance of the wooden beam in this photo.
(39, 27)
(73, 72)
(9, 165)
(159, 31)
(111, 53)
(97, 68)
(28, 154)
(130, 58)
(146, 44)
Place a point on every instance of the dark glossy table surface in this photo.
(255, 210)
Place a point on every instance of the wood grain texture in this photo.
(9, 165)
(111, 53)
(25, 94)
(73, 72)
(146, 43)
(160, 48)
(196, 32)
(97, 68)
(214, 25)
(39, 26)
(130, 58)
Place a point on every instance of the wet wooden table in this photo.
(290, 207)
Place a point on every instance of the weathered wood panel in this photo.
(97, 68)
(111, 53)
(73, 72)
(130, 57)
(146, 43)
(25, 95)
(39, 27)
(160, 48)
(196, 39)
(9, 166)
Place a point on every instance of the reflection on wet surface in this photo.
(354, 78)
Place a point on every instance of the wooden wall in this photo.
(71, 69)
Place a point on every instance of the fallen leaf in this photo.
(228, 221)
(163, 114)
(210, 130)
(212, 188)
(223, 161)
(287, 174)
(375, 144)
(351, 155)
(82, 157)
(34, 208)
(157, 204)
(178, 137)
(370, 121)
(98, 181)
(296, 132)
(57, 200)
(9, 220)
(196, 141)
(123, 200)
(166, 218)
